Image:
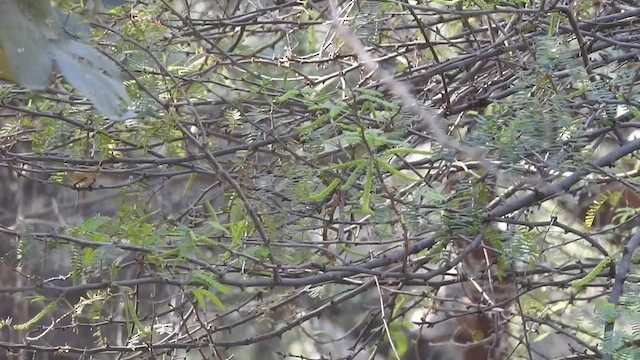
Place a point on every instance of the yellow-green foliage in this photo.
(611, 197)
(322, 194)
(47, 309)
(592, 274)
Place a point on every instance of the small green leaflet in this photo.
(200, 294)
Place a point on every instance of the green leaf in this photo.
(197, 293)
(261, 252)
(187, 244)
(607, 312)
(201, 293)
(336, 109)
(541, 336)
(590, 215)
(131, 312)
(94, 223)
(365, 200)
(431, 195)
(237, 211)
(354, 174)
(383, 164)
(399, 338)
(223, 289)
(192, 178)
(237, 229)
(199, 277)
(286, 96)
(214, 299)
(87, 259)
(324, 193)
(403, 151)
(214, 223)
(304, 128)
(47, 309)
(593, 273)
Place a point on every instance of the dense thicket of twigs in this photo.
(309, 180)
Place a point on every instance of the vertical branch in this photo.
(621, 275)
